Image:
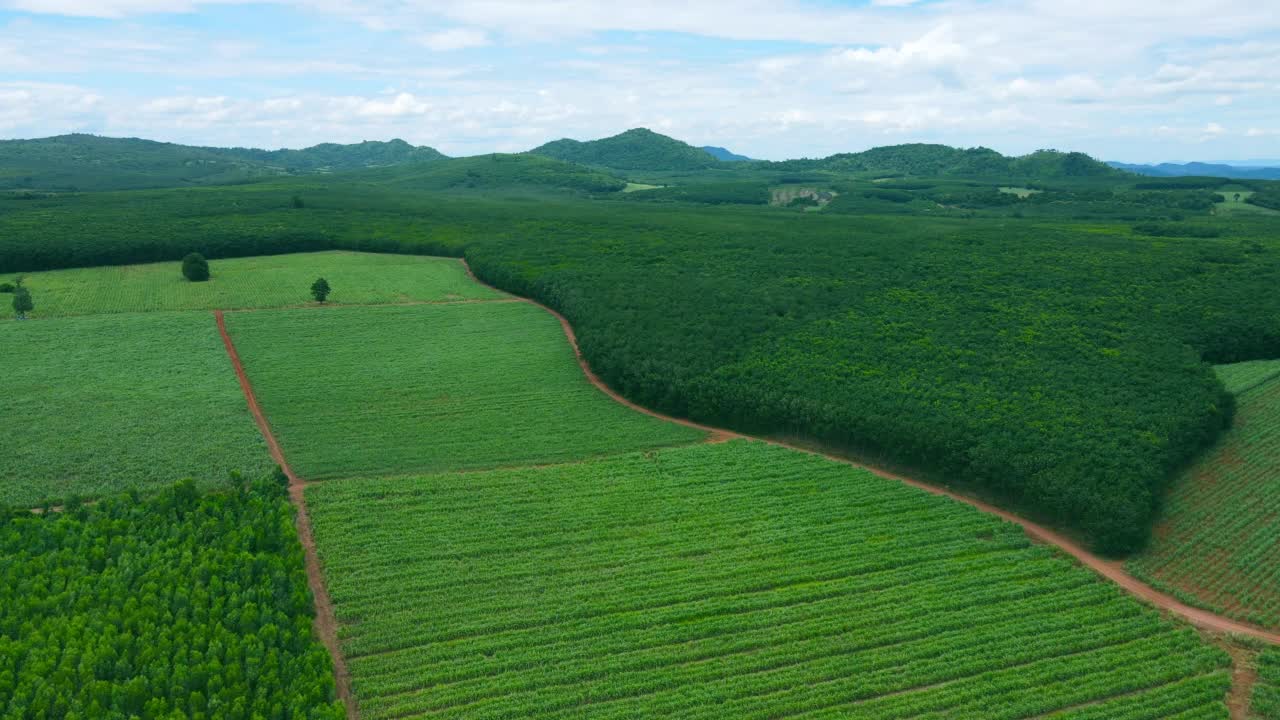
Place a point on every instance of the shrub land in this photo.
(98, 405)
(181, 605)
(1217, 544)
(728, 580)
(358, 391)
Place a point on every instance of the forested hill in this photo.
(90, 162)
(724, 154)
(637, 149)
(919, 159)
(492, 172)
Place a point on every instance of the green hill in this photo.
(490, 172)
(90, 162)
(921, 159)
(637, 149)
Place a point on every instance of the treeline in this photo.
(1057, 367)
(181, 605)
(736, 193)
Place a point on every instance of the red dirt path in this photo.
(1112, 570)
(326, 622)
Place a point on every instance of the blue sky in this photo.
(1135, 80)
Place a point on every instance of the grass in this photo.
(256, 282)
(1266, 694)
(355, 391)
(1217, 544)
(98, 405)
(1233, 205)
(728, 580)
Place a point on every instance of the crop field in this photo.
(423, 388)
(257, 282)
(1242, 377)
(97, 405)
(1217, 544)
(1266, 693)
(728, 580)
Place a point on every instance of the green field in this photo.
(728, 580)
(95, 405)
(256, 282)
(1266, 694)
(366, 391)
(1217, 543)
(179, 606)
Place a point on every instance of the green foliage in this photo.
(920, 159)
(180, 606)
(495, 172)
(428, 388)
(110, 403)
(1266, 694)
(730, 581)
(1053, 361)
(1217, 544)
(195, 268)
(1267, 196)
(88, 162)
(258, 282)
(7, 288)
(320, 290)
(637, 149)
(22, 302)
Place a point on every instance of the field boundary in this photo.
(326, 623)
(1112, 570)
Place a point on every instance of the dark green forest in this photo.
(1044, 343)
(179, 605)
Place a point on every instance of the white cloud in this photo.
(454, 39)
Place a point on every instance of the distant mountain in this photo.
(920, 159)
(91, 162)
(637, 149)
(490, 172)
(723, 155)
(1202, 170)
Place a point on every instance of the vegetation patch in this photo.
(1266, 694)
(97, 405)
(352, 391)
(729, 580)
(182, 605)
(1217, 544)
(1020, 192)
(257, 282)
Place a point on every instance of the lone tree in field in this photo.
(195, 268)
(320, 290)
(22, 303)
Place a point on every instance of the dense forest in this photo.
(637, 149)
(1045, 346)
(180, 605)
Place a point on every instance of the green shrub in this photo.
(195, 268)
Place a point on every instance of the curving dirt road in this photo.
(326, 622)
(1112, 570)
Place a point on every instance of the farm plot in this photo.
(1266, 694)
(1217, 544)
(257, 282)
(97, 405)
(366, 391)
(728, 580)
(1242, 377)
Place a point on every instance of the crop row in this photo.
(731, 580)
(1219, 544)
(394, 390)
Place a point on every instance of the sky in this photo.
(1128, 80)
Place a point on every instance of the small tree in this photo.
(320, 290)
(297, 202)
(195, 268)
(22, 303)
